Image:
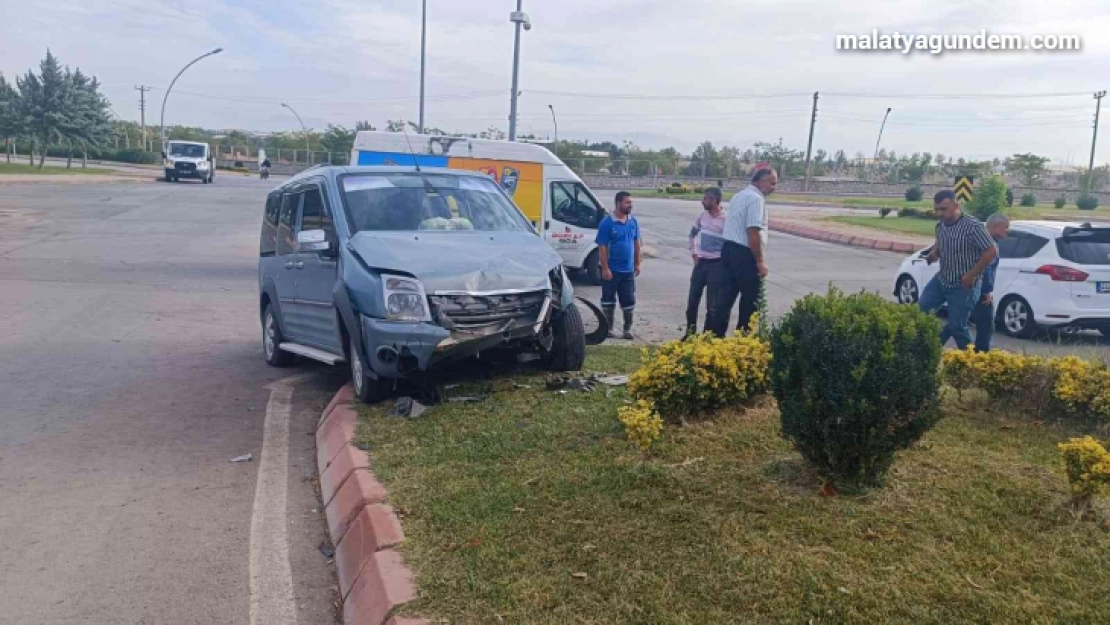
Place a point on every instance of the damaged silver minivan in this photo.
(396, 270)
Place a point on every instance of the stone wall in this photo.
(820, 187)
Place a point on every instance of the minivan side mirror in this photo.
(312, 241)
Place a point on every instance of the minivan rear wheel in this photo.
(272, 339)
(368, 390)
(907, 290)
(592, 268)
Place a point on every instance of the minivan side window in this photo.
(315, 214)
(286, 242)
(572, 204)
(267, 246)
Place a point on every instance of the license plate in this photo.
(1102, 287)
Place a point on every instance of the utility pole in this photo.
(809, 146)
(875, 159)
(423, 47)
(142, 89)
(1099, 95)
(518, 18)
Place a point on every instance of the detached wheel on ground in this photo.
(592, 268)
(368, 390)
(271, 338)
(906, 290)
(568, 347)
(1016, 317)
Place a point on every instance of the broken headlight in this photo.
(404, 299)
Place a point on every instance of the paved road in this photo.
(131, 373)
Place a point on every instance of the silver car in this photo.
(395, 270)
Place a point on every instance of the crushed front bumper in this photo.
(398, 349)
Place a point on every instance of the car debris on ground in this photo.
(407, 407)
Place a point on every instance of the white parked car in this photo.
(1050, 275)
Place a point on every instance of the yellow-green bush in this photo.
(1081, 388)
(1087, 464)
(689, 377)
(642, 424)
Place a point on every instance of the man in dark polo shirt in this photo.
(618, 242)
(965, 249)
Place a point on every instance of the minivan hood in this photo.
(460, 261)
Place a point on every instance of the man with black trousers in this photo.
(705, 248)
(619, 250)
(742, 265)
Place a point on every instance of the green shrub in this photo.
(883, 212)
(989, 198)
(685, 378)
(1028, 199)
(916, 213)
(914, 194)
(856, 379)
(699, 189)
(1060, 202)
(661, 190)
(1087, 202)
(1009, 197)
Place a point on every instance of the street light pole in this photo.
(555, 122)
(875, 159)
(519, 18)
(162, 121)
(303, 131)
(423, 48)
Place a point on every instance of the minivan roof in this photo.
(334, 171)
(441, 145)
(186, 142)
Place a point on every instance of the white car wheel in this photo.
(1017, 317)
(907, 290)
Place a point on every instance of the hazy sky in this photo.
(341, 60)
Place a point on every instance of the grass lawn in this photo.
(15, 168)
(905, 225)
(531, 507)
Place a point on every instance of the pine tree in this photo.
(9, 116)
(43, 103)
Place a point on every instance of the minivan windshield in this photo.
(423, 201)
(187, 150)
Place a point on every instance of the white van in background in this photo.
(559, 205)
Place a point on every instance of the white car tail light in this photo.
(1060, 273)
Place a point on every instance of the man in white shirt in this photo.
(742, 266)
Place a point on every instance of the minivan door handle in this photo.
(289, 264)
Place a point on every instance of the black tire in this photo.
(906, 290)
(368, 390)
(1015, 317)
(592, 268)
(568, 348)
(206, 180)
(271, 338)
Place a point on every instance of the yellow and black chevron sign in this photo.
(964, 187)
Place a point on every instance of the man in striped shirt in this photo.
(965, 249)
(705, 249)
(742, 266)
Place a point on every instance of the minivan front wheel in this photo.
(368, 390)
(568, 346)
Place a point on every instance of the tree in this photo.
(9, 116)
(1029, 167)
(87, 121)
(395, 125)
(43, 103)
(784, 160)
(493, 132)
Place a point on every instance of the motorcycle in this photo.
(264, 172)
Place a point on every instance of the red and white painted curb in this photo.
(373, 578)
(842, 239)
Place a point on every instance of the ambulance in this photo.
(552, 197)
